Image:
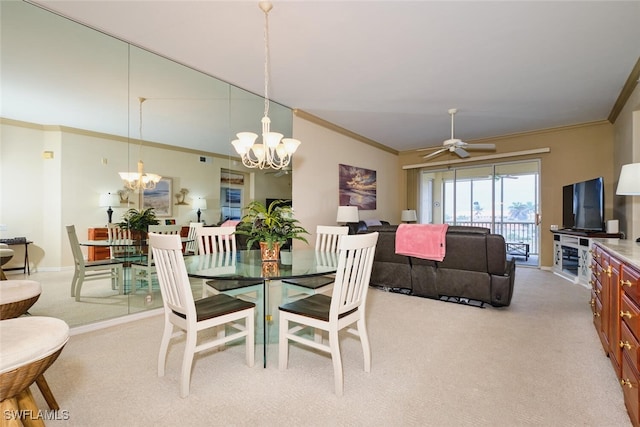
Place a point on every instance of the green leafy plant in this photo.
(139, 220)
(273, 224)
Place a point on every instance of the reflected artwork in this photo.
(159, 198)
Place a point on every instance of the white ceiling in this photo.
(390, 70)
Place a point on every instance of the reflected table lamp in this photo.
(108, 200)
(408, 215)
(629, 182)
(201, 205)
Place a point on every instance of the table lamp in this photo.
(347, 214)
(408, 215)
(629, 182)
(108, 200)
(201, 205)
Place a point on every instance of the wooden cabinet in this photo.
(615, 302)
(630, 325)
(97, 253)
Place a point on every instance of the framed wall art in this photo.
(357, 187)
(160, 198)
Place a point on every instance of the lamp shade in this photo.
(347, 214)
(409, 215)
(108, 200)
(629, 182)
(200, 203)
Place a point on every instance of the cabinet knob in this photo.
(626, 314)
(598, 291)
(626, 283)
(596, 314)
(591, 266)
(592, 302)
(625, 344)
(626, 382)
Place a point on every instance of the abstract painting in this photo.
(357, 187)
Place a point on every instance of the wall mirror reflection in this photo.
(71, 120)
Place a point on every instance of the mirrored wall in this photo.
(72, 118)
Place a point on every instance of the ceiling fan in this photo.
(457, 146)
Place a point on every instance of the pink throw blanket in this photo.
(425, 241)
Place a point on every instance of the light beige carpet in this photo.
(535, 363)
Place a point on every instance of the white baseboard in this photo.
(116, 321)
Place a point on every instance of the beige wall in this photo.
(315, 180)
(576, 153)
(627, 150)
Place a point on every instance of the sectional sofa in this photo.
(475, 269)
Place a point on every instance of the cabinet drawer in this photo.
(629, 344)
(629, 282)
(629, 383)
(630, 314)
(599, 255)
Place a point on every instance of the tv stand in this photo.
(572, 253)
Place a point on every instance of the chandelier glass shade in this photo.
(140, 180)
(273, 151)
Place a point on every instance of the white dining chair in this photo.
(345, 306)
(327, 238)
(191, 247)
(190, 317)
(144, 270)
(92, 270)
(222, 240)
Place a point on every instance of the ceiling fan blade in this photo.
(435, 153)
(437, 147)
(480, 146)
(461, 152)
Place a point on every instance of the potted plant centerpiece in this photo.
(271, 227)
(138, 221)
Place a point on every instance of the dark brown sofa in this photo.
(475, 269)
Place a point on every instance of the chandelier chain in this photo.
(273, 151)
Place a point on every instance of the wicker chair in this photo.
(29, 346)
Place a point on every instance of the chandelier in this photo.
(140, 180)
(273, 151)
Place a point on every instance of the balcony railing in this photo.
(513, 232)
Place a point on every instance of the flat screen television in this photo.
(583, 205)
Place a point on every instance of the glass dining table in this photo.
(132, 251)
(247, 266)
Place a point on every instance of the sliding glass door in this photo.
(502, 197)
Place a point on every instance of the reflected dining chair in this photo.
(92, 270)
(341, 310)
(327, 238)
(189, 316)
(144, 270)
(115, 235)
(192, 244)
(216, 240)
